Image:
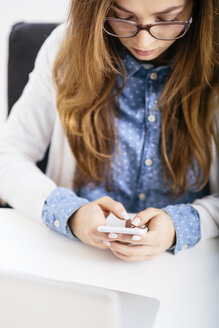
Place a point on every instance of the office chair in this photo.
(25, 40)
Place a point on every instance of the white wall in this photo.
(13, 11)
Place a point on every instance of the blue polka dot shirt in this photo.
(137, 174)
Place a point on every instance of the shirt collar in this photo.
(132, 65)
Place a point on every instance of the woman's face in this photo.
(143, 46)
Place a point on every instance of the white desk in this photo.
(187, 284)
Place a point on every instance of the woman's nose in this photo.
(144, 40)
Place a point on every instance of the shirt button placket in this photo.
(151, 117)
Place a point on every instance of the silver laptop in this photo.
(32, 302)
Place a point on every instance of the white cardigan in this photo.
(33, 124)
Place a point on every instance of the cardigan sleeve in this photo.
(208, 207)
(26, 135)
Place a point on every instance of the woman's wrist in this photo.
(70, 224)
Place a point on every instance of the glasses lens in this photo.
(168, 31)
(120, 29)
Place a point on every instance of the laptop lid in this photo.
(29, 301)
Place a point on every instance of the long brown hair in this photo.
(85, 76)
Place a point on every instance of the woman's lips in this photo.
(144, 53)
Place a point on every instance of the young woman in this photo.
(126, 95)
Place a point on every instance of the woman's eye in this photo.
(126, 18)
(167, 20)
(114, 14)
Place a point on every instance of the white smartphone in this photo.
(123, 230)
(114, 224)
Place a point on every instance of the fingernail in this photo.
(112, 235)
(125, 215)
(107, 243)
(136, 221)
(135, 237)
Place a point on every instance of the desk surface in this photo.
(187, 285)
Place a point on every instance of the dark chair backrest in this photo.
(25, 41)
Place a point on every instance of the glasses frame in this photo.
(148, 27)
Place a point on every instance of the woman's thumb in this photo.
(143, 217)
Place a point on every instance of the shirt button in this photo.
(141, 196)
(184, 247)
(151, 118)
(148, 162)
(146, 66)
(57, 223)
(153, 76)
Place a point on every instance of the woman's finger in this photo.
(133, 258)
(110, 205)
(119, 255)
(148, 239)
(132, 251)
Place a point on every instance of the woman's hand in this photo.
(160, 237)
(83, 223)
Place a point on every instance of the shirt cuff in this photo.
(187, 225)
(58, 208)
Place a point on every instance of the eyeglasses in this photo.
(166, 31)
